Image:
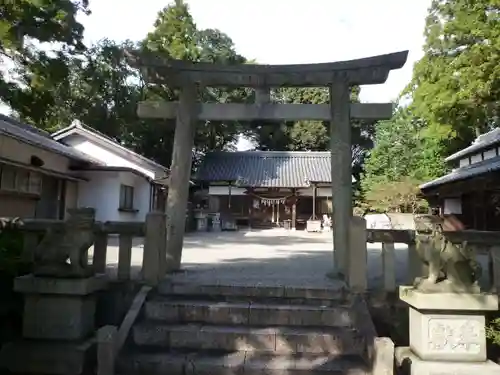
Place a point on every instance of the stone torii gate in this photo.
(338, 76)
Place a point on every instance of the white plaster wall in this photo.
(464, 162)
(102, 192)
(141, 196)
(21, 152)
(110, 158)
(320, 192)
(476, 158)
(489, 154)
(224, 190)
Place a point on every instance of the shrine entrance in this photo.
(337, 76)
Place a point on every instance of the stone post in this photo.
(447, 333)
(180, 173)
(154, 261)
(356, 266)
(341, 163)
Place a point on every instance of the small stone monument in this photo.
(60, 303)
(201, 221)
(216, 227)
(446, 309)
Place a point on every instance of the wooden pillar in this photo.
(294, 211)
(272, 212)
(278, 213)
(341, 163)
(180, 174)
(314, 202)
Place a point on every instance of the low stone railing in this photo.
(485, 242)
(153, 230)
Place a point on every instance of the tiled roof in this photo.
(476, 169)
(482, 142)
(38, 138)
(266, 168)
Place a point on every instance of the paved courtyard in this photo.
(265, 256)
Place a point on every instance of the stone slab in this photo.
(448, 337)
(250, 339)
(409, 364)
(448, 301)
(245, 313)
(58, 317)
(30, 284)
(45, 357)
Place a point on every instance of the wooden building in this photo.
(471, 191)
(267, 188)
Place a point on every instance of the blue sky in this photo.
(287, 32)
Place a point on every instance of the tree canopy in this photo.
(454, 96)
(49, 78)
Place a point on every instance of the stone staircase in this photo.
(192, 329)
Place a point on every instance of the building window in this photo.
(20, 180)
(126, 197)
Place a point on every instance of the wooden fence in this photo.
(486, 243)
(153, 230)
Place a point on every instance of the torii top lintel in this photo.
(365, 71)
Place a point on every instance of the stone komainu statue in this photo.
(452, 267)
(63, 251)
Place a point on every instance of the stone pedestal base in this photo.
(45, 357)
(58, 324)
(447, 333)
(410, 364)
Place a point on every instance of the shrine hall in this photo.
(264, 189)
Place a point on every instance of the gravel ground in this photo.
(266, 257)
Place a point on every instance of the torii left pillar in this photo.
(180, 173)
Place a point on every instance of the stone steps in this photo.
(202, 363)
(211, 329)
(271, 340)
(324, 296)
(254, 314)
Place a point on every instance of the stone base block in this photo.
(448, 326)
(448, 301)
(30, 284)
(58, 317)
(410, 364)
(447, 337)
(58, 309)
(46, 357)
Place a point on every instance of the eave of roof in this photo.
(470, 171)
(77, 128)
(482, 142)
(38, 138)
(267, 168)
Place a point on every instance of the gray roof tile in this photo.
(476, 169)
(266, 168)
(482, 142)
(39, 138)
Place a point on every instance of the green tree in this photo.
(29, 74)
(456, 85)
(176, 36)
(403, 156)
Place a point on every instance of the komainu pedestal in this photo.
(447, 333)
(59, 303)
